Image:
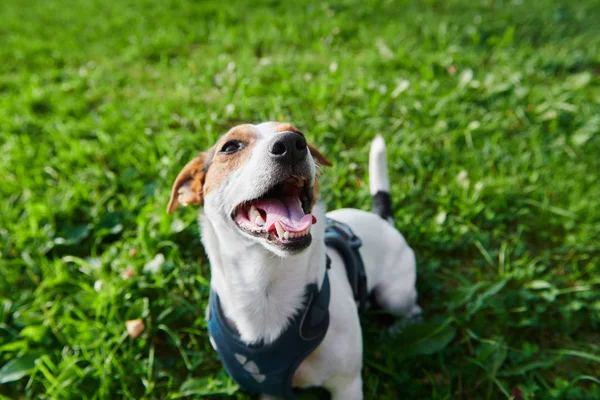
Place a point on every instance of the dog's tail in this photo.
(379, 180)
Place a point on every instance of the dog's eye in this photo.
(232, 146)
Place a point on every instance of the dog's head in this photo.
(258, 181)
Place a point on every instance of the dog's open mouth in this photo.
(281, 215)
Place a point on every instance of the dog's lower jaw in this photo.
(259, 291)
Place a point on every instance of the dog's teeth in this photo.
(279, 229)
(253, 213)
(286, 235)
(259, 220)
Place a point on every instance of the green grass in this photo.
(491, 111)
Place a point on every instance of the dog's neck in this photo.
(260, 292)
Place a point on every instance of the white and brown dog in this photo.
(263, 232)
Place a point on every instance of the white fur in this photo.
(261, 287)
(266, 128)
(379, 180)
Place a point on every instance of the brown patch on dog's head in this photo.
(187, 188)
(209, 169)
(320, 158)
(222, 163)
(286, 127)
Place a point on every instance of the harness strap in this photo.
(340, 237)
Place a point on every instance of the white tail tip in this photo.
(379, 180)
(377, 146)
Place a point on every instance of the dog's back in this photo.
(389, 261)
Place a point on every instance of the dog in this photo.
(265, 236)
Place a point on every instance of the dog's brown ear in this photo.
(318, 156)
(187, 188)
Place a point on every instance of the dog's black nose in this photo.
(289, 148)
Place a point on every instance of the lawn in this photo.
(491, 111)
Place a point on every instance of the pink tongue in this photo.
(287, 212)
